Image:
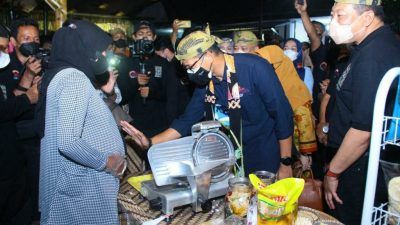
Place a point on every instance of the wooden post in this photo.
(61, 13)
(60, 10)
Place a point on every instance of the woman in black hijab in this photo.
(82, 152)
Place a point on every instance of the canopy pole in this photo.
(60, 9)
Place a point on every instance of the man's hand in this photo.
(144, 92)
(33, 92)
(175, 25)
(109, 86)
(284, 172)
(143, 79)
(330, 188)
(322, 137)
(140, 139)
(300, 8)
(34, 66)
(116, 165)
(324, 85)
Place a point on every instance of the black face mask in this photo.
(121, 43)
(200, 77)
(29, 49)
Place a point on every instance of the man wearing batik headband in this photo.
(243, 93)
(245, 42)
(377, 50)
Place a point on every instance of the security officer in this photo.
(376, 51)
(15, 104)
(152, 93)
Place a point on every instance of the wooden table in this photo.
(135, 209)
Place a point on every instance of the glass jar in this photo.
(237, 199)
(266, 177)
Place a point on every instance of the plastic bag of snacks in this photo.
(277, 203)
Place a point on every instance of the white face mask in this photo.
(342, 34)
(4, 59)
(291, 54)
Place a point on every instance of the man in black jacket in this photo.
(152, 94)
(14, 200)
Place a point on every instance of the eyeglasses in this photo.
(191, 67)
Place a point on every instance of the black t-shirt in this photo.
(161, 106)
(320, 62)
(12, 109)
(357, 86)
(10, 76)
(186, 87)
(334, 76)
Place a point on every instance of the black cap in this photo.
(4, 32)
(144, 24)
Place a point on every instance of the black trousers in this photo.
(31, 150)
(351, 191)
(15, 205)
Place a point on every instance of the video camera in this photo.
(141, 47)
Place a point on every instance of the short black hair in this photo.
(214, 48)
(377, 9)
(16, 24)
(320, 24)
(162, 43)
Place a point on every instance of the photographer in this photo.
(152, 91)
(18, 78)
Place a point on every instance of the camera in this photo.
(44, 55)
(32, 49)
(142, 47)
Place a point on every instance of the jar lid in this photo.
(239, 181)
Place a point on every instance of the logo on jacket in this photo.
(3, 89)
(133, 74)
(343, 78)
(15, 74)
(158, 71)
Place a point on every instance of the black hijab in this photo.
(78, 45)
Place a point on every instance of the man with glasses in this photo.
(243, 93)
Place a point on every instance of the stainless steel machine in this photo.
(190, 170)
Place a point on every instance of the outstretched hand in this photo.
(140, 139)
(300, 8)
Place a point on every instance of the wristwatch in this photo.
(325, 129)
(287, 161)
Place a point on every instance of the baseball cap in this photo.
(247, 37)
(194, 44)
(361, 2)
(144, 24)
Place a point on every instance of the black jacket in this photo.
(161, 106)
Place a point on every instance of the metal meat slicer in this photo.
(190, 170)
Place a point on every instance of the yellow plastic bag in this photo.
(278, 199)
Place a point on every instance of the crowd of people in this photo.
(64, 117)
